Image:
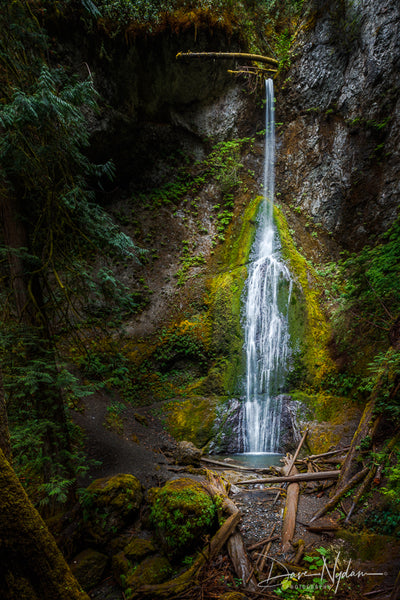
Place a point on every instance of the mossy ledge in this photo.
(314, 345)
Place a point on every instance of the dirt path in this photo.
(138, 448)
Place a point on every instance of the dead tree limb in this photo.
(336, 497)
(290, 465)
(229, 56)
(366, 428)
(330, 453)
(361, 491)
(264, 554)
(234, 467)
(240, 561)
(321, 476)
(270, 538)
(290, 512)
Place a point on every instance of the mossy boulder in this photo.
(182, 513)
(88, 567)
(121, 566)
(134, 552)
(109, 504)
(187, 454)
(233, 596)
(139, 548)
(153, 569)
(192, 419)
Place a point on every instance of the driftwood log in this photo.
(338, 495)
(321, 476)
(290, 512)
(241, 564)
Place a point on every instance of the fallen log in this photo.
(290, 512)
(366, 428)
(229, 56)
(299, 553)
(234, 467)
(338, 495)
(321, 476)
(236, 549)
(270, 490)
(323, 527)
(374, 475)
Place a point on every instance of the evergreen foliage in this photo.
(52, 229)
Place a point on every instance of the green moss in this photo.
(154, 569)
(365, 546)
(139, 548)
(182, 513)
(192, 419)
(225, 297)
(109, 503)
(307, 321)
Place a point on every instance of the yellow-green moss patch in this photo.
(192, 419)
(316, 356)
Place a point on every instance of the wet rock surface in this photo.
(339, 143)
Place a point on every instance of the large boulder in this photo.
(187, 454)
(109, 504)
(182, 513)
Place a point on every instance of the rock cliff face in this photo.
(340, 107)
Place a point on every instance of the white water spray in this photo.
(266, 315)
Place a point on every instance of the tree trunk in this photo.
(31, 565)
(5, 443)
(338, 494)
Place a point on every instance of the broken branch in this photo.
(229, 56)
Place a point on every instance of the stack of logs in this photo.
(316, 469)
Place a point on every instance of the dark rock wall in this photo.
(340, 108)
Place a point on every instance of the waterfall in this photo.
(269, 288)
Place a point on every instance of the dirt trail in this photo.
(138, 449)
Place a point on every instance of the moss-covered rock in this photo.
(133, 553)
(154, 569)
(110, 503)
(139, 548)
(187, 454)
(307, 322)
(335, 420)
(182, 513)
(121, 566)
(192, 419)
(233, 596)
(88, 567)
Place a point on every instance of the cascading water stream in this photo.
(266, 315)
